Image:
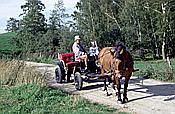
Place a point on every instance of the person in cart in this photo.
(79, 51)
(93, 51)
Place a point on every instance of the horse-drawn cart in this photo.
(115, 64)
(68, 68)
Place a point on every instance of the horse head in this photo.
(118, 62)
(118, 68)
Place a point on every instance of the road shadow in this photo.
(140, 98)
(158, 90)
(93, 80)
(167, 90)
(91, 87)
(42, 66)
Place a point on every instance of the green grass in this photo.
(34, 99)
(24, 90)
(156, 69)
(5, 41)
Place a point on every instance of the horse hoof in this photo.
(109, 94)
(125, 100)
(119, 101)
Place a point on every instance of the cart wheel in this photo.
(58, 75)
(78, 81)
(60, 72)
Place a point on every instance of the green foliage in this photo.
(44, 59)
(37, 37)
(156, 70)
(40, 100)
(58, 33)
(33, 26)
(12, 25)
(93, 21)
(33, 20)
(138, 23)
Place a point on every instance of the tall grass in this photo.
(17, 72)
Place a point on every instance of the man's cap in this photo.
(76, 38)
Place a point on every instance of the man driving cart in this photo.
(79, 51)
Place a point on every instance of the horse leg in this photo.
(125, 99)
(114, 89)
(117, 82)
(105, 87)
(105, 78)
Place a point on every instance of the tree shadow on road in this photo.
(167, 90)
(91, 87)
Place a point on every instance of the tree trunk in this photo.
(163, 51)
(137, 22)
(92, 21)
(164, 34)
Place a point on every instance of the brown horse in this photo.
(118, 67)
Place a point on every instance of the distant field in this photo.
(5, 41)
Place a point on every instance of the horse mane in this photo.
(128, 58)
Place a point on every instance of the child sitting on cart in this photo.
(93, 50)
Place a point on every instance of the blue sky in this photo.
(11, 8)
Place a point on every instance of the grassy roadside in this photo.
(32, 98)
(158, 70)
(24, 91)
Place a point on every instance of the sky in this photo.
(11, 8)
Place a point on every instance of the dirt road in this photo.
(149, 97)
